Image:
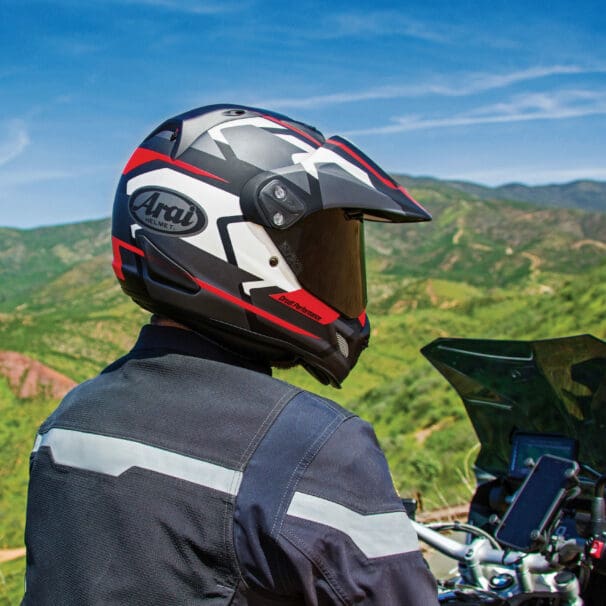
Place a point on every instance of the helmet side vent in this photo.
(161, 268)
(343, 346)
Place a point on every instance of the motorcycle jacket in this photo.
(183, 474)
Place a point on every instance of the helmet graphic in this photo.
(248, 227)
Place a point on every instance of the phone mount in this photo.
(537, 503)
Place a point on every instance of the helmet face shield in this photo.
(318, 248)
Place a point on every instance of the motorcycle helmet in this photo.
(247, 226)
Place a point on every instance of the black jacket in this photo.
(180, 476)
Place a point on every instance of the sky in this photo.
(486, 91)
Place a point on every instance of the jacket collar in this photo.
(157, 340)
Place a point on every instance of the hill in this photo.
(584, 194)
(77, 319)
(29, 378)
(31, 258)
(482, 268)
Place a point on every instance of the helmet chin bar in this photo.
(166, 280)
(265, 350)
(327, 364)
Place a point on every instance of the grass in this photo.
(12, 576)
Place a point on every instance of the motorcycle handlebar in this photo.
(480, 551)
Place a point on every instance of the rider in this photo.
(184, 473)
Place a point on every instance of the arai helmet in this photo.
(247, 226)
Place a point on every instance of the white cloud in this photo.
(445, 86)
(74, 46)
(556, 105)
(15, 140)
(380, 23)
(28, 177)
(190, 7)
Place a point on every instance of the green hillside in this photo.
(31, 258)
(480, 269)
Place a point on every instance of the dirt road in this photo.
(6, 555)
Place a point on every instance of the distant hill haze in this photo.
(583, 194)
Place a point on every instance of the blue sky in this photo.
(491, 92)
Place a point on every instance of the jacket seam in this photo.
(304, 462)
(252, 446)
(297, 542)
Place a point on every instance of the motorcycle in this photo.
(535, 534)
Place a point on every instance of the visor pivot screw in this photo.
(278, 219)
(273, 261)
(279, 192)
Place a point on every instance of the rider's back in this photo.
(179, 477)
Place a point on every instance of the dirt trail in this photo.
(460, 232)
(447, 514)
(422, 434)
(6, 555)
(535, 262)
(29, 378)
(596, 243)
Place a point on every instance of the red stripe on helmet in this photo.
(306, 304)
(294, 128)
(117, 244)
(256, 310)
(143, 156)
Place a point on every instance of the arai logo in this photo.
(166, 211)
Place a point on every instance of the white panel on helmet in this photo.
(253, 252)
(297, 142)
(216, 131)
(205, 143)
(134, 228)
(215, 202)
(326, 156)
(298, 158)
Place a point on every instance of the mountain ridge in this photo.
(583, 194)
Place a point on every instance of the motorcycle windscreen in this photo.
(551, 386)
(325, 251)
